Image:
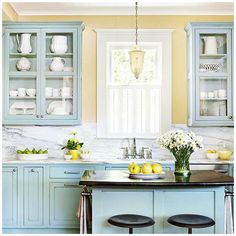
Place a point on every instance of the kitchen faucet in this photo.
(131, 152)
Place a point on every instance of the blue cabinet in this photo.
(64, 202)
(33, 196)
(210, 74)
(10, 197)
(42, 94)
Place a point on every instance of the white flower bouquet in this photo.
(181, 144)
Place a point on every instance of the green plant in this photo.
(73, 143)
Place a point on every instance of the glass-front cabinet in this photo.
(42, 73)
(210, 74)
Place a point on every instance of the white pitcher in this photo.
(211, 45)
(59, 44)
(57, 64)
(23, 43)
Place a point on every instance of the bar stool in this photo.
(191, 221)
(131, 221)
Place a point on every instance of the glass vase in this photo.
(182, 166)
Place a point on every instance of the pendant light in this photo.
(136, 54)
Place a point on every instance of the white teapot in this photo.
(23, 43)
(23, 64)
(59, 44)
(57, 64)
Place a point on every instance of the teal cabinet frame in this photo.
(40, 73)
(194, 29)
(10, 197)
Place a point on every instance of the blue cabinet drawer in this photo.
(68, 172)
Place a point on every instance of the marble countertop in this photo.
(117, 161)
(116, 178)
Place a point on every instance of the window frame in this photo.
(106, 36)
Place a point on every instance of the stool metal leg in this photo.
(130, 230)
(190, 231)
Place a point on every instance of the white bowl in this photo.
(32, 157)
(212, 156)
(85, 156)
(67, 156)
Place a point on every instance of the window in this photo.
(127, 107)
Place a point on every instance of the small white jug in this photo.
(23, 43)
(211, 45)
(57, 64)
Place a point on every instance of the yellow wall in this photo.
(179, 81)
(8, 13)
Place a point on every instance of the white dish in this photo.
(32, 157)
(56, 105)
(67, 157)
(21, 108)
(212, 156)
(146, 176)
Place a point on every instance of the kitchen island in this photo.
(115, 193)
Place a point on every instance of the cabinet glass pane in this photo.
(59, 96)
(213, 53)
(213, 96)
(59, 52)
(22, 96)
(22, 52)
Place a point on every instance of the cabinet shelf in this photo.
(61, 73)
(58, 98)
(22, 98)
(212, 56)
(22, 55)
(211, 74)
(69, 54)
(213, 99)
(21, 74)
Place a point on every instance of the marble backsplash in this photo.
(52, 138)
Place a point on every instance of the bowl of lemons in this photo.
(212, 154)
(146, 171)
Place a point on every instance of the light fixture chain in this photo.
(136, 17)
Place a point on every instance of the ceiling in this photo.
(124, 7)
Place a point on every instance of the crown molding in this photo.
(46, 9)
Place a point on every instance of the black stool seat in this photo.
(131, 221)
(191, 221)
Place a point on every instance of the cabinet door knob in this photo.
(41, 116)
(32, 170)
(14, 170)
(231, 117)
(37, 116)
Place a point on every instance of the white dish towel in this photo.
(229, 227)
(84, 212)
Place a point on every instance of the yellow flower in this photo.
(74, 133)
(78, 147)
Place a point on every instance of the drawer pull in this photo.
(32, 170)
(72, 185)
(14, 170)
(71, 173)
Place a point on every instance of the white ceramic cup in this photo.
(215, 93)
(222, 93)
(66, 92)
(48, 92)
(21, 92)
(203, 94)
(13, 93)
(56, 92)
(31, 92)
(210, 95)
